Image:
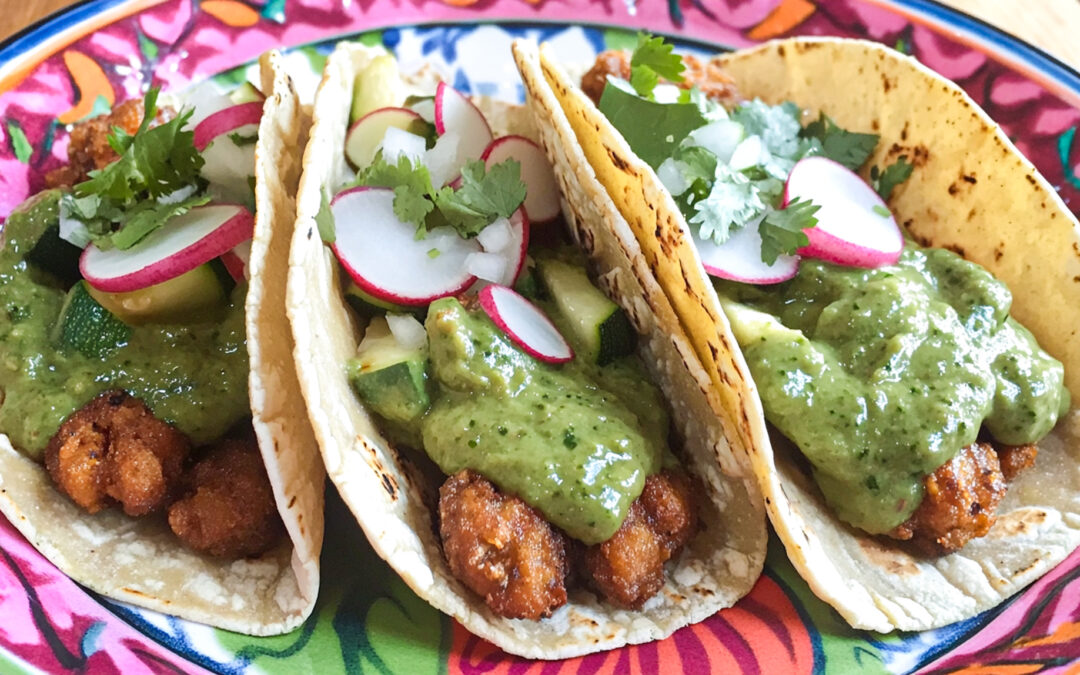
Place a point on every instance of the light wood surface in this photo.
(1053, 25)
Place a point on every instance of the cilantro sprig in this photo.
(483, 196)
(653, 59)
(849, 148)
(782, 231)
(885, 181)
(130, 198)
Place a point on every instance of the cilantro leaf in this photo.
(484, 196)
(850, 148)
(654, 130)
(324, 220)
(782, 230)
(885, 181)
(240, 140)
(413, 193)
(732, 202)
(146, 217)
(653, 53)
(154, 163)
(644, 79)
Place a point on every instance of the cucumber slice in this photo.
(390, 379)
(369, 306)
(379, 85)
(190, 297)
(87, 327)
(599, 328)
(56, 256)
(246, 93)
(32, 232)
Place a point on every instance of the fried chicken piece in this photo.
(113, 448)
(89, 147)
(705, 75)
(628, 568)
(959, 503)
(711, 79)
(1015, 459)
(501, 548)
(229, 509)
(610, 62)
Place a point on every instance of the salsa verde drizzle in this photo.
(193, 376)
(880, 376)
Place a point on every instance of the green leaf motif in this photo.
(19, 143)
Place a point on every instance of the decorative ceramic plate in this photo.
(79, 62)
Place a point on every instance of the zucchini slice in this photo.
(599, 326)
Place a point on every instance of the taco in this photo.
(913, 440)
(476, 396)
(153, 444)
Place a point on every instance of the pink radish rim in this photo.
(516, 138)
(224, 121)
(382, 294)
(199, 252)
(490, 307)
(440, 92)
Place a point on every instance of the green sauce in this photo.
(575, 441)
(880, 376)
(193, 376)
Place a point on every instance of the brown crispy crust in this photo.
(115, 450)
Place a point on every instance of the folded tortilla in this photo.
(971, 191)
(389, 495)
(140, 560)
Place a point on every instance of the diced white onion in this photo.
(399, 143)
(72, 230)
(177, 196)
(671, 175)
(442, 159)
(721, 138)
(666, 93)
(751, 152)
(408, 332)
(496, 236)
(487, 266)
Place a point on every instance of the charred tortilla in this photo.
(141, 561)
(972, 192)
(391, 499)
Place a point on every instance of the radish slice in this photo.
(226, 121)
(526, 325)
(855, 227)
(542, 192)
(384, 258)
(229, 165)
(184, 243)
(739, 258)
(236, 261)
(464, 134)
(367, 134)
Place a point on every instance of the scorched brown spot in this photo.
(390, 485)
(1016, 523)
(618, 161)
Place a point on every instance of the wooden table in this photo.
(1053, 25)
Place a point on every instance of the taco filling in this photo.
(895, 369)
(487, 346)
(125, 364)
